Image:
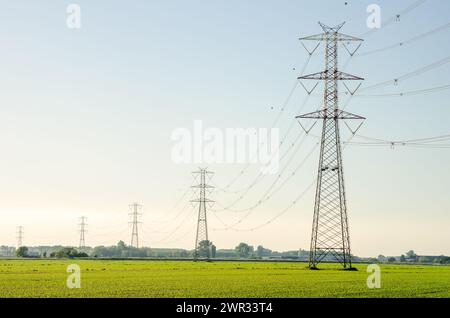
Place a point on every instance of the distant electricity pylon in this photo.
(202, 244)
(19, 236)
(135, 221)
(330, 230)
(82, 225)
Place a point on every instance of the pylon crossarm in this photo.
(328, 29)
(341, 114)
(347, 38)
(316, 37)
(336, 75)
(202, 200)
(320, 114)
(202, 171)
(338, 114)
(200, 186)
(331, 36)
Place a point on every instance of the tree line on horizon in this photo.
(241, 251)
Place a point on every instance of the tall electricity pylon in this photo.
(82, 226)
(202, 244)
(330, 230)
(19, 236)
(134, 233)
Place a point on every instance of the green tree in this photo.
(261, 251)
(121, 245)
(205, 249)
(411, 255)
(68, 252)
(213, 251)
(391, 259)
(22, 251)
(402, 258)
(424, 259)
(243, 250)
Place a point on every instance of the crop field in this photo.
(128, 278)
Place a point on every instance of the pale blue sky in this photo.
(87, 115)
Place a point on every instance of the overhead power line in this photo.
(409, 75)
(281, 111)
(233, 227)
(408, 93)
(261, 175)
(430, 142)
(406, 42)
(268, 194)
(396, 17)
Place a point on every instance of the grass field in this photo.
(104, 278)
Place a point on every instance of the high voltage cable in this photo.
(268, 194)
(162, 230)
(407, 93)
(394, 18)
(286, 180)
(228, 207)
(178, 238)
(168, 223)
(406, 42)
(262, 175)
(174, 207)
(260, 144)
(409, 145)
(227, 227)
(428, 139)
(430, 142)
(176, 228)
(282, 109)
(232, 227)
(165, 229)
(417, 72)
(387, 22)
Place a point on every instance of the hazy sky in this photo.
(87, 116)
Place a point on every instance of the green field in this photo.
(105, 278)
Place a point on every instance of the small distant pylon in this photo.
(19, 236)
(82, 225)
(202, 244)
(135, 221)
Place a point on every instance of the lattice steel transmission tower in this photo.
(82, 226)
(330, 230)
(135, 222)
(202, 244)
(19, 236)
